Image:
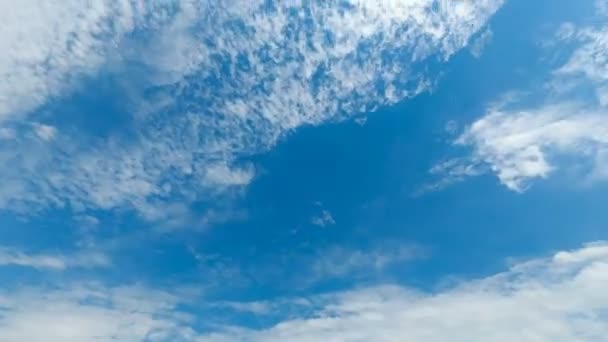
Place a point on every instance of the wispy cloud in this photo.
(317, 265)
(229, 81)
(57, 262)
(517, 144)
(342, 262)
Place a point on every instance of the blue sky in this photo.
(283, 171)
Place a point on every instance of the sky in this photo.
(357, 170)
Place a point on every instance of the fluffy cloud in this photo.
(557, 299)
(222, 83)
(519, 142)
(561, 298)
(91, 313)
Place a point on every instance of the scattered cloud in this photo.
(480, 42)
(55, 262)
(45, 132)
(323, 219)
(280, 67)
(91, 313)
(561, 298)
(361, 121)
(341, 262)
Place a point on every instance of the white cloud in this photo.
(557, 299)
(222, 174)
(91, 313)
(228, 85)
(561, 298)
(57, 262)
(47, 45)
(520, 142)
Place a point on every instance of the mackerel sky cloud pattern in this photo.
(223, 86)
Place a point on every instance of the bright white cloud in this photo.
(520, 143)
(227, 85)
(57, 262)
(557, 299)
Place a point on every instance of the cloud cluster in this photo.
(222, 82)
